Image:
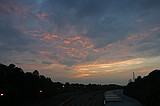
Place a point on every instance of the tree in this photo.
(35, 72)
(11, 66)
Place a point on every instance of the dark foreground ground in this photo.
(95, 98)
(89, 99)
(74, 99)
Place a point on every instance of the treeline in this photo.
(146, 89)
(17, 85)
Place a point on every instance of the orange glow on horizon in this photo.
(80, 76)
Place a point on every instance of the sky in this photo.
(81, 41)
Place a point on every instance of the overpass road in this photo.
(125, 100)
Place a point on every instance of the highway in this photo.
(89, 99)
(125, 100)
(92, 99)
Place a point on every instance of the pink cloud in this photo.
(67, 42)
(46, 52)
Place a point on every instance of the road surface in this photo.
(89, 99)
(126, 101)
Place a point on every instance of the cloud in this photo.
(100, 18)
(11, 38)
(46, 33)
(46, 62)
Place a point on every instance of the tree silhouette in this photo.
(19, 86)
(146, 89)
(35, 72)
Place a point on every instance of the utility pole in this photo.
(133, 77)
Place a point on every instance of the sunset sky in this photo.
(84, 41)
